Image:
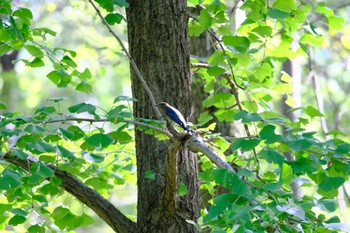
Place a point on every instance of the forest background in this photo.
(268, 93)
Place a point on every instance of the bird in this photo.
(174, 114)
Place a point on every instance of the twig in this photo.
(234, 6)
(169, 135)
(132, 62)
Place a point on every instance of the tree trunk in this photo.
(159, 44)
(9, 81)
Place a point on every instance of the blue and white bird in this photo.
(174, 114)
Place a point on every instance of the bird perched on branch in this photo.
(174, 114)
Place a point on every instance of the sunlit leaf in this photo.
(113, 18)
(182, 190)
(99, 140)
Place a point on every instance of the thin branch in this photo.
(90, 197)
(196, 144)
(132, 62)
(234, 6)
(169, 135)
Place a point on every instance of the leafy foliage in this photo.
(243, 80)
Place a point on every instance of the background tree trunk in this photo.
(9, 81)
(159, 44)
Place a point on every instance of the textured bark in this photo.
(159, 44)
(9, 81)
(90, 197)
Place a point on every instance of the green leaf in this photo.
(123, 98)
(45, 171)
(121, 137)
(336, 23)
(78, 133)
(272, 156)
(82, 107)
(285, 5)
(59, 77)
(312, 112)
(20, 154)
(68, 61)
(231, 181)
(268, 134)
(121, 3)
(84, 87)
(329, 205)
(301, 144)
(10, 133)
(113, 18)
(115, 115)
(100, 140)
(225, 115)
(97, 158)
(150, 175)
(34, 51)
(25, 14)
(41, 147)
(331, 183)
(342, 149)
(324, 10)
(295, 211)
(245, 144)
(216, 58)
(215, 71)
(35, 129)
(264, 31)
(204, 118)
(86, 75)
(97, 183)
(43, 32)
(182, 190)
(241, 44)
(66, 133)
(37, 62)
(108, 5)
(36, 229)
(2, 106)
(310, 39)
(303, 165)
(56, 100)
(247, 117)
(16, 220)
(4, 48)
(277, 14)
(272, 186)
(64, 152)
(9, 180)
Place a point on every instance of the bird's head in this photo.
(163, 105)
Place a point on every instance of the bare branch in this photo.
(91, 198)
(169, 135)
(196, 144)
(132, 62)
